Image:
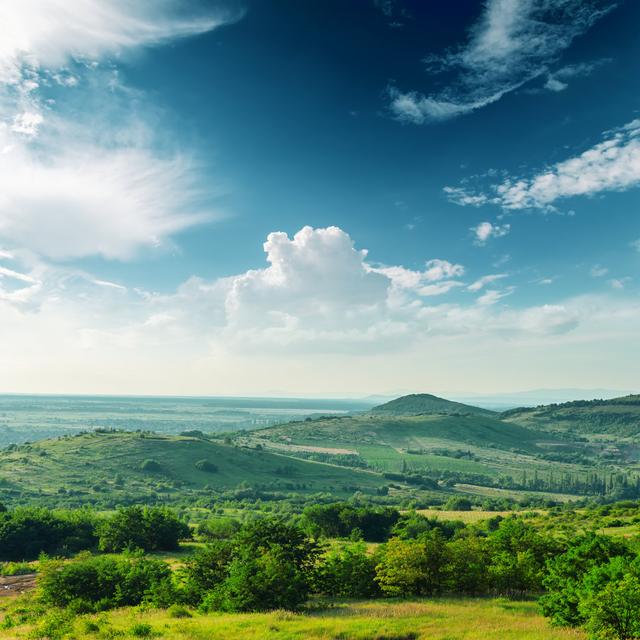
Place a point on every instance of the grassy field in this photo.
(464, 619)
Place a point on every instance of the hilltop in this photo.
(109, 468)
(617, 416)
(425, 403)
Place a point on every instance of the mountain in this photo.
(616, 416)
(109, 468)
(425, 403)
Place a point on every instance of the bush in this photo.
(95, 583)
(413, 567)
(348, 572)
(147, 528)
(566, 572)
(338, 520)
(25, 533)
(268, 581)
(218, 529)
(614, 612)
(205, 465)
(150, 466)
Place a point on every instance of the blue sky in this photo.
(448, 194)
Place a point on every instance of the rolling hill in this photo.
(401, 437)
(425, 403)
(617, 417)
(109, 468)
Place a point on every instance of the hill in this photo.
(617, 417)
(455, 448)
(425, 403)
(109, 468)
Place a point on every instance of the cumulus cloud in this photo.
(486, 230)
(512, 43)
(611, 165)
(317, 295)
(597, 271)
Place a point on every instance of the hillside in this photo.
(425, 403)
(108, 468)
(617, 417)
(465, 448)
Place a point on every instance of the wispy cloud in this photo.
(598, 271)
(93, 183)
(512, 43)
(485, 280)
(611, 165)
(558, 80)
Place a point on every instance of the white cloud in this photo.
(81, 175)
(90, 201)
(492, 296)
(27, 123)
(511, 44)
(51, 33)
(317, 309)
(611, 165)
(619, 283)
(636, 244)
(485, 280)
(486, 230)
(558, 80)
(436, 279)
(597, 271)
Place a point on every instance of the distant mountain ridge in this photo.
(417, 404)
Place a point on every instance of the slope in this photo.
(109, 468)
(617, 417)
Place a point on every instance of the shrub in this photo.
(271, 580)
(413, 567)
(218, 529)
(95, 583)
(348, 572)
(150, 466)
(205, 465)
(147, 528)
(25, 533)
(178, 611)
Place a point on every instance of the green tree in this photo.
(349, 572)
(614, 612)
(413, 567)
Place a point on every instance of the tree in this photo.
(413, 567)
(565, 573)
(147, 528)
(271, 580)
(348, 572)
(614, 612)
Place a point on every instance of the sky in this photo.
(203, 197)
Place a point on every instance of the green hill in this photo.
(424, 403)
(109, 468)
(465, 447)
(618, 416)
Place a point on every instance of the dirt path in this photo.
(14, 585)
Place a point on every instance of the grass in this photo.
(468, 517)
(446, 619)
(96, 467)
